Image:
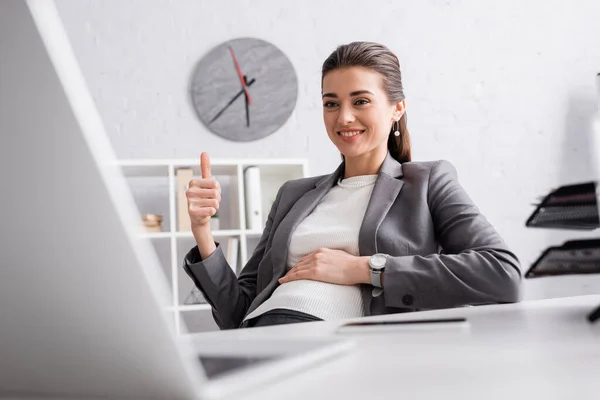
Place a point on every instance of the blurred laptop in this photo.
(83, 299)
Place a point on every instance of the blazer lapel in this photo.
(303, 206)
(386, 190)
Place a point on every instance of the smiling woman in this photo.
(370, 75)
(381, 234)
(359, 116)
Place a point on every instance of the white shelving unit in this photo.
(154, 187)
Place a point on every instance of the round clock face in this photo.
(244, 89)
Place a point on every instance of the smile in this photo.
(350, 133)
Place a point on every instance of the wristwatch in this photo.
(377, 266)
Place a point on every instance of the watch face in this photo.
(244, 89)
(378, 261)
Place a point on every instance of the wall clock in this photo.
(244, 89)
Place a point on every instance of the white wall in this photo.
(503, 89)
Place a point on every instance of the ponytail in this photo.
(399, 146)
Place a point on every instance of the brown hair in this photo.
(380, 59)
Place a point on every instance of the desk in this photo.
(541, 349)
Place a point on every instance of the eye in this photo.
(361, 102)
(330, 104)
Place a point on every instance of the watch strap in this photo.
(376, 273)
(376, 277)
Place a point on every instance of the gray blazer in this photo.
(443, 251)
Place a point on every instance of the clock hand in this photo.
(247, 110)
(238, 94)
(239, 71)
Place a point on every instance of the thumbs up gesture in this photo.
(203, 196)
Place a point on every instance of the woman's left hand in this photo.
(333, 266)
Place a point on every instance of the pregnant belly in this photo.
(315, 291)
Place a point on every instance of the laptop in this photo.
(83, 299)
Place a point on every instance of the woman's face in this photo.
(357, 113)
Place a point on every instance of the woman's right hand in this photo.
(203, 196)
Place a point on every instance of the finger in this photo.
(299, 264)
(302, 265)
(200, 193)
(296, 276)
(202, 212)
(315, 256)
(205, 165)
(309, 265)
(197, 204)
(302, 259)
(204, 184)
(307, 257)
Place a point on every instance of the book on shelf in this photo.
(184, 176)
(253, 198)
(232, 252)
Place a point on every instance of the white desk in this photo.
(542, 349)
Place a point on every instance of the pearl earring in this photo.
(397, 131)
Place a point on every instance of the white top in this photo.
(333, 224)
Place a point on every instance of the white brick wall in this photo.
(503, 89)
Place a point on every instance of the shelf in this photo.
(194, 307)
(213, 162)
(189, 307)
(133, 170)
(157, 188)
(155, 235)
(160, 167)
(219, 233)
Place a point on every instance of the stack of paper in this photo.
(568, 207)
